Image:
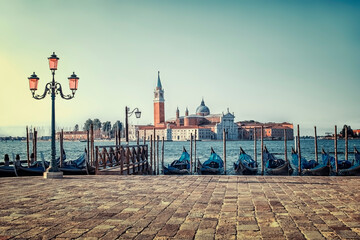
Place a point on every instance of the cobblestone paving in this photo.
(180, 207)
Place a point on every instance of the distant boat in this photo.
(310, 168)
(245, 164)
(213, 166)
(276, 166)
(180, 166)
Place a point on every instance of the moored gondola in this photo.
(345, 167)
(310, 168)
(213, 166)
(276, 166)
(37, 168)
(245, 164)
(180, 166)
(8, 170)
(79, 166)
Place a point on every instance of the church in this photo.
(205, 125)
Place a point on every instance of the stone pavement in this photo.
(180, 207)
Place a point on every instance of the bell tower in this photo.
(159, 108)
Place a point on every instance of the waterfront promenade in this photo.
(180, 207)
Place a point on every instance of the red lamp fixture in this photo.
(53, 61)
(73, 82)
(33, 82)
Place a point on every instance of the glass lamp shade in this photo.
(53, 61)
(33, 82)
(73, 81)
(138, 114)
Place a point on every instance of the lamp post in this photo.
(127, 115)
(53, 88)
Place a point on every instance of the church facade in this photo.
(205, 125)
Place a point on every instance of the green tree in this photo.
(117, 125)
(87, 124)
(97, 124)
(76, 128)
(350, 132)
(106, 127)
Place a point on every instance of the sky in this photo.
(269, 61)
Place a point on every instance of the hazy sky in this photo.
(295, 61)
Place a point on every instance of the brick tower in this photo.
(159, 108)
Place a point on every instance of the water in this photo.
(173, 149)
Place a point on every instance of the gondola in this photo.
(180, 166)
(79, 166)
(345, 167)
(245, 165)
(276, 166)
(37, 168)
(8, 170)
(310, 168)
(354, 170)
(213, 166)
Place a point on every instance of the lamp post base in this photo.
(53, 175)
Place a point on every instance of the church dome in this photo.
(202, 110)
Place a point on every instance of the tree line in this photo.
(105, 127)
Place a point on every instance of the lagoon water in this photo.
(173, 149)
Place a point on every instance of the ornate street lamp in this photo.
(127, 115)
(53, 88)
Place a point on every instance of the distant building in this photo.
(274, 131)
(356, 132)
(79, 135)
(206, 126)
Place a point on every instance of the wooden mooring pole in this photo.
(255, 150)
(285, 145)
(316, 146)
(336, 157)
(154, 152)
(151, 154)
(262, 150)
(162, 155)
(137, 137)
(195, 163)
(88, 144)
(144, 137)
(346, 143)
(35, 144)
(27, 146)
(92, 144)
(191, 152)
(157, 155)
(61, 147)
(224, 149)
(298, 149)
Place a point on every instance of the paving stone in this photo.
(197, 207)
